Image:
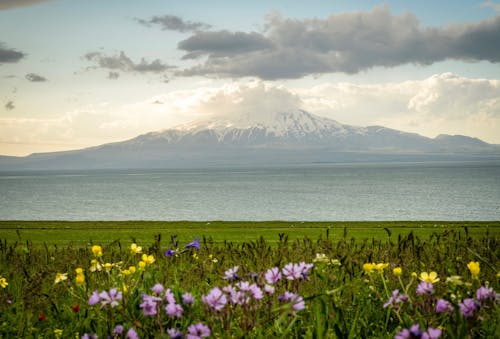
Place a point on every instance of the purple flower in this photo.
(304, 269)
(94, 298)
(174, 310)
(215, 299)
(413, 332)
(118, 330)
(231, 274)
(111, 298)
(131, 334)
(395, 300)
(292, 271)
(484, 293)
(198, 330)
(468, 307)
(187, 299)
(269, 289)
(295, 300)
(432, 333)
(89, 336)
(195, 244)
(174, 333)
(169, 296)
(149, 304)
(273, 275)
(443, 306)
(157, 289)
(256, 291)
(425, 288)
(169, 253)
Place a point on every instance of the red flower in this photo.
(41, 317)
(75, 308)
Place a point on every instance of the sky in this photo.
(75, 74)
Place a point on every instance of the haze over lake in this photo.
(411, 191)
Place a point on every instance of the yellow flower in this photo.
(380, 266)
(148, 259)
(79, 270)
(95, 265)
(498, 274)
(414, 274)
(397, 271)
(474, 269)
(195, 256)
(108, 266)
(142, 264)
(431, 277)
(135, 249)
(321, 257)
(60, 277)
(97, 250)
(368, 268)
(80, 279)
(58, 333)
(3, 282)
(211, 257)
(455, 280)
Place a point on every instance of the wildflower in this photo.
(157, 289)
(484, 293)
(131, 334)
(474, 269)
(118, 330)
(195, 256)
(295, 300)
(395, 300)
(58, 333)
(80, 277)
(468, 307)
(321, 258)
(94, 298)
(231, 274)
(108, 266)
(304, 269)
(498, 274)
(142, 264)
(148, 259)
(97, 251)
(135, 249)
(431, 277)
(60, 277)
(269, 289)
(455, 280)
(174, 333)
(41, 317)
(432, 333)
(273, 275)
(198, 330)
(380, 267)
(425, 288)
(413, 332)
(187, 299)
(397, 271)
(111, 298)
(149, 304)
(89, 336)
(75, 308)
(95, 265)
(169, 296)
(443, 306)
(169, 253)
(292, 271)
(195, 244)
(212, 258)
(3, 282)
(215, 299)
(256, 291)
(174, 310)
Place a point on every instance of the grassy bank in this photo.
(81, 233)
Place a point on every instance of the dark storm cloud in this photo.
(123, 63)
(9, 106)
(113, 75)
(35, 77)
(174, 23)
(9, 55)
(7, 4)
(348, 43)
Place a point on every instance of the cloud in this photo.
(9, 55)
(348, 43)
(9, 106)
(35, 77)
(8, 4)
(113, 75)
(123, 63)
(174, 23)
(491, 4)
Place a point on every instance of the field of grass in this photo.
(81, 233)
(249, 280)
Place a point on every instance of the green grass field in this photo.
(85, 232)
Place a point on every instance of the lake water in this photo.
(420, 191)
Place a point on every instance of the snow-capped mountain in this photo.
(259, 138)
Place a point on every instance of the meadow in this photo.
(249, 280)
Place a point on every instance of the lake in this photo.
(401, 191)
